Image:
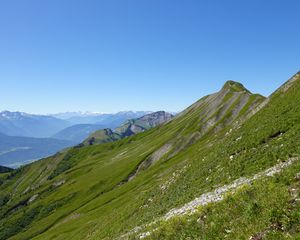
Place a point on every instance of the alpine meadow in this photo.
(226, 167)
(152, 120)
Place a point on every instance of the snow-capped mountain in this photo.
(108, 119)
(30, 125)
(68, 115)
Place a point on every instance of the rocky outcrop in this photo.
(144, 123)
(211, 197)
(129, 128)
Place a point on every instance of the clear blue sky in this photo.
(109, 55)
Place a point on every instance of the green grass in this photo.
(94, 201)
(265, 208)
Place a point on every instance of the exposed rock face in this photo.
(152, 159)
(146, 122)
(129, 128)
(155, 118)
(34, 197)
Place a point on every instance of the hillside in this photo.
(129, 128)
(29, 125)
(226, 167)
(16, 151)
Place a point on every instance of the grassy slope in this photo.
(92, 204)
(270, 207)
(102, 136)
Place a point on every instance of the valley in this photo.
(229, 161)
(30, 137)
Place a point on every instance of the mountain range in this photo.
(30, 125)
(27, 137)
(227, 167)
(110, 120)
(129, 128)
(77, 133)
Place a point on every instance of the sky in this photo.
(116, 55)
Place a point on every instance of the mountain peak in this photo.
(13, 115)
(234, 86)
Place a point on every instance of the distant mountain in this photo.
(5, 169)
(77, 133)
(144, 123)
(110, 120)
(29, 125)
(26, 137)
(129, 128)
(115, 120)
(102, 136)
(15, 151)
(97, 121)
(68, 115)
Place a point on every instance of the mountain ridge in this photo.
(110, 120)
(29, 125)
(104, 191)
(129, 128)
